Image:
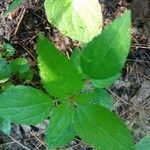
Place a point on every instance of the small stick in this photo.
(20, 20)
(19, 143)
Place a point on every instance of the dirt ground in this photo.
(131, 92)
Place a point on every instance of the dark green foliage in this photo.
(18, 67)
(76, 111)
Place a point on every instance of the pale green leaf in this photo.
(5, 126)
(103, 98)
(59, 77)
(60, 131)
(24, 105)
(79, 19)
(106, 54)
(104, 83)
(13, 6)
(101, 128)
(143, 144)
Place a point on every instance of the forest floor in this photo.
(131, 92)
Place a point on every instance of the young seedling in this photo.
(73, 110)
(18, 67)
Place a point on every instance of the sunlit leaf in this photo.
(59, 77)
(79, 19)
(105, 55)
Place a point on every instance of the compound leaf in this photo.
(24, 105)
(79, 19)
(101, 128)
(59, 77)
(106, 54)
(60, 131)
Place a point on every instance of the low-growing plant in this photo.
(19, 67)
(73, 108)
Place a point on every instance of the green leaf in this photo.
(75, 59)
(104, 83)
(5, 126)
(28, 75)
(143, 144)
(59, 77)
(21, 66)
(101, 128)
(60, 131)
(6, 85)
(79, 19)
(106, 54)
(9, 48)
(103, 98)
(84, 98)
(24, 105)
(13, 6)
(4, 69)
